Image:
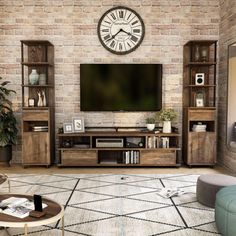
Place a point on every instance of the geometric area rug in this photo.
(118, 205)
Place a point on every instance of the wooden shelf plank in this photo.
(37, 64)
(201, 63)
(36, 42)
(119, 133)
(37, 85)
(123, 165)
(36, 108)
(119, 149)
(200, 86)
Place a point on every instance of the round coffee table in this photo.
(54, 212)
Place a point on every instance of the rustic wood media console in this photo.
(118, 148)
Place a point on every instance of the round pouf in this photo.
(225, 211)
(208, 185)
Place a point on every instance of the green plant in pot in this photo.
(150, 121)
(8, 124)
(167, 116)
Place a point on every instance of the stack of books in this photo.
(131, 157)
(40, 128)
(199, 128)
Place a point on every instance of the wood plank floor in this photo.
(15, 169)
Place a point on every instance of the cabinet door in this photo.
(201, 148)
(207, 145)
(36, 148)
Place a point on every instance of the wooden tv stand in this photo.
(106, 148)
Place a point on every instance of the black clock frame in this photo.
(132, 49)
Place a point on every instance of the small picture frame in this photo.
(199, 99)
(31, 102)
(78, 124)
(68, 128)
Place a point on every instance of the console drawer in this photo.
(78, 157)
(158, 158)
(35, 115)
(201, 115)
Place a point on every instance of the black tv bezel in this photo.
(160, 81)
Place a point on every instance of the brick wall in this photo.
(227, 36)
(71, 26)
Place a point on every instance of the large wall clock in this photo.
(121, 30)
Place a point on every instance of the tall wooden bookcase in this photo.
(38, 129)
(199, 103)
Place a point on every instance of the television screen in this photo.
(120, 87)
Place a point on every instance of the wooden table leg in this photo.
(7, 232)
(63, 225)
(26, 230)
(9, 186)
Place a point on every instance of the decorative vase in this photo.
(166, 126)
(34, 77)
(42, 79)
(197, 53)
(150, 127)
(204, 54)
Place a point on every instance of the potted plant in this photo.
(150, 121)
(167, 115)
(8, 128)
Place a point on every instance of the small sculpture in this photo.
(44, 102)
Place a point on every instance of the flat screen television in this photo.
(120, 87)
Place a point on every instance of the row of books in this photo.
(131, 157)
(154, 142)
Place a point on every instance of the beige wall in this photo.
(227, 36)
(71, 26)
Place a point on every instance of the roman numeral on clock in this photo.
(113, 16)
(121, 14)
(136, 30)
(106, 37)
(112, 44)
(120, 46)
(105, 30)
(134, 39)
(135, 22)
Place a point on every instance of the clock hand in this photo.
(125, 32)
(113, 36)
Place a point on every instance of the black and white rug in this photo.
(119, 205)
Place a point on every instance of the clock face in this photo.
(121, 30)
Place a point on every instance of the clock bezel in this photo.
(108, 48)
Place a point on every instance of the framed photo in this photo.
(199, 99)
(78, 124)
(68, 128)
(31, 102)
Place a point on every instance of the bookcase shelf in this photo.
(38, 126)
(199, 102)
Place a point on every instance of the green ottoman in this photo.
(225, 211)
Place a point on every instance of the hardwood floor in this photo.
(17, 169)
